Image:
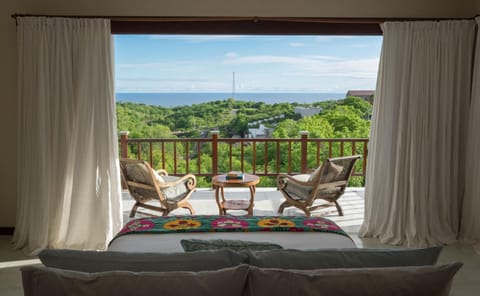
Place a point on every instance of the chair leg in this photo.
(189, 207)
(282, 207)
(134, 209)
(339, 208)
(306, 211)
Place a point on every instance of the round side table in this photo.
(220, 182)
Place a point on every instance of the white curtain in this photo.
(415, 176)
(470, 230)
(68, 175)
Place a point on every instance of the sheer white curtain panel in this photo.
(68, 182)
(416, 169)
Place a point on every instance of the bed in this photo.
(163, 234)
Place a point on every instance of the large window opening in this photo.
(246, 87)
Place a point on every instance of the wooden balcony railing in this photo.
(259, 156)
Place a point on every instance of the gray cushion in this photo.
(344, 258)
(92, 261)
(236, 245)
(49, 281)
(391, 281)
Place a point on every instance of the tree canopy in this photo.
(347, 118)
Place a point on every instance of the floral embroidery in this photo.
(229, 223)
(140, 224)
(274, 222)
(213, 223)
(319, 224)
(182, 224)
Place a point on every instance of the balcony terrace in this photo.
(267, 201)
(265, 157)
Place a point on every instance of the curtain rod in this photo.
(216, 18)
(343, 20)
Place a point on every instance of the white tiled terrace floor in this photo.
(267, 201)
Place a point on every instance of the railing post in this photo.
(124, 144)
(215, 152)
(304, 145)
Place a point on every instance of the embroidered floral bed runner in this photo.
(214, 223)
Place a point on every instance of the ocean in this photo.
(182, 99)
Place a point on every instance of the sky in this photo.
(207, 63)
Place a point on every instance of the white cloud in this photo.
(315, 65)
(231, 55)
(360, 45)
(196, 38)
(297, 44)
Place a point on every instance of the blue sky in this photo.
(205, 63)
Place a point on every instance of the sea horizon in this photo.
(175, 99)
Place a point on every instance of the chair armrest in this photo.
(189, 180)
(283, 178)
(162, 172)
(332, 184)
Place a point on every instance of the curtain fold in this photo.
(414, 184)
(68, 183)
(470, 229)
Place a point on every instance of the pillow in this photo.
(158, 177)
(235, 245)
(331, 172)
(391, 281)
(344, 258)
(50, 281)
(315, 175)
(92, 261)
(138, 172)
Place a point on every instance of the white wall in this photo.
(298, 8)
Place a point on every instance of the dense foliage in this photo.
(347, 118)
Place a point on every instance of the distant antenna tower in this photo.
(233, 86)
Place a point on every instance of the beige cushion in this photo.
(331, 173)
(138, 172)
(158, 177)
(175, 192)
(315, 175)
(298, 191)
(390, 281)
(49, 281)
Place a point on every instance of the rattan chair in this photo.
(146, 185)
(328, 182)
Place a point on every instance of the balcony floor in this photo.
(267, 201)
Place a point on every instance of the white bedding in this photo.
(170, 242)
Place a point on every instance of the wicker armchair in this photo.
(146, 185)
(328, 182)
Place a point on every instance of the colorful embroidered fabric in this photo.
(212, 223)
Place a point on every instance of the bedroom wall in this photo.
(298, 8)
(8, 105)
